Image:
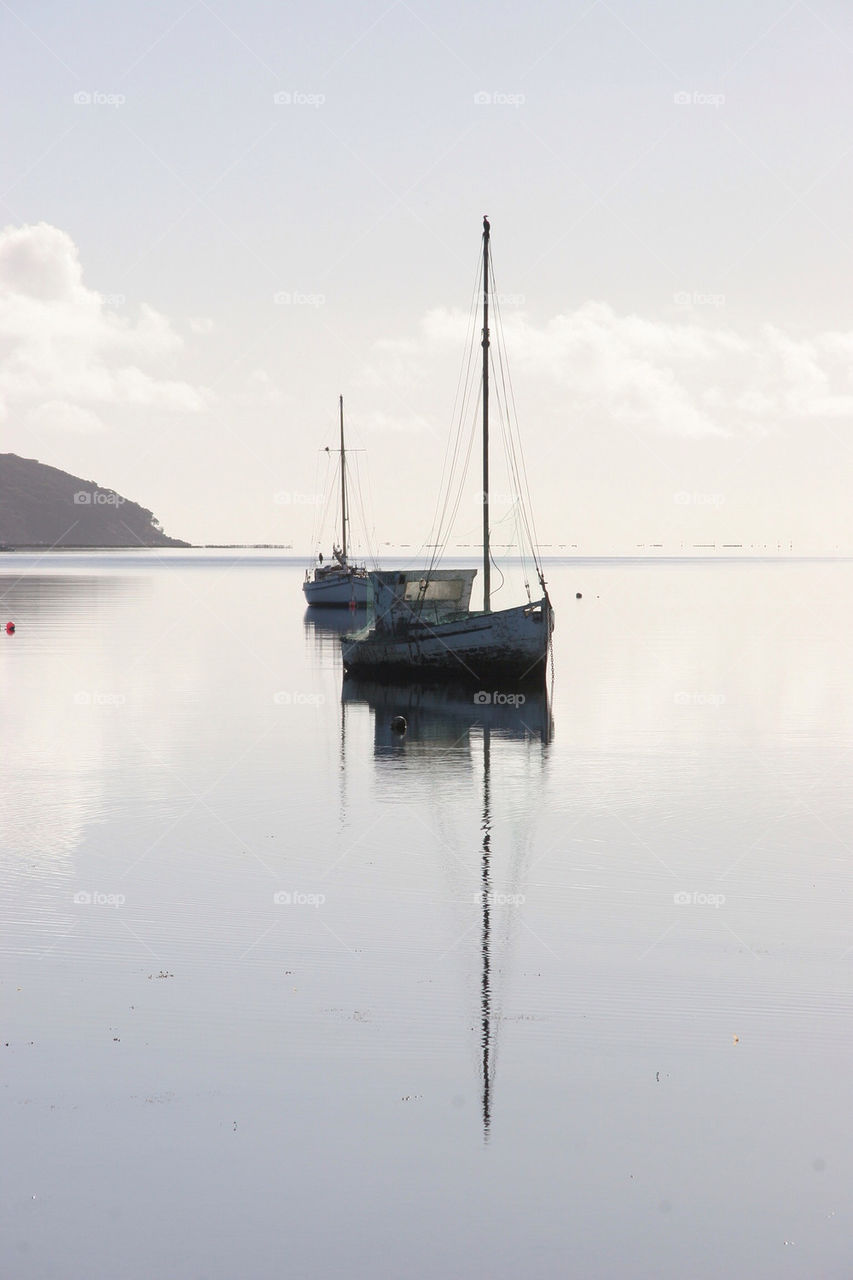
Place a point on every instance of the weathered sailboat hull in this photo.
(337, 592)
(508, 645)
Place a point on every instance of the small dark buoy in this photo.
(578, 596)
(10, 628)
(398, 724)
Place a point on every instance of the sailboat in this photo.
(422, 624)
(336, 582)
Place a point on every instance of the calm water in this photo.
(535, 990)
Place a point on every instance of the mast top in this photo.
(486, 227)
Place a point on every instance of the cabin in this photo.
(397, 598)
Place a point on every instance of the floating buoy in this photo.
(398, 724)
(10, 628)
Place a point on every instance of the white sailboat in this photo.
(337, 583)
(422, 624)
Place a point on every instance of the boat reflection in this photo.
(324, 628)
(449, 713)
(443, 724)
(334, 622)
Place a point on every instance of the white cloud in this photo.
(259, 390)
(64, 353)
(58, 415)
(654, 377)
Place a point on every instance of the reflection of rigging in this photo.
(442, 724)
(487, 902)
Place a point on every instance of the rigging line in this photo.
(465, 464)
(361, 509)
(524, 569)
(523, 480)
(450, 505)
(517, 505)
(521, 539)
(462, 478)
(333, 488)
(463, 382)
(452, 441)
(505, 375)
(359, 485)
(328, 491)
(366, 505)
(354, 495)
(495, 565)
(371, 503)
(473, 385)
(515, 450)
(503, 400)
(509, 440)
(448, 485)
(524, 535)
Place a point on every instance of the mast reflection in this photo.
(443, 722)
(486, 1004)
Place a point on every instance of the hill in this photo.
(41, 506)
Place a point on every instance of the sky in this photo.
(218, 217)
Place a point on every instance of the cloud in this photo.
(653, 377)
(259, 390)
(64, 354)
(59, 415)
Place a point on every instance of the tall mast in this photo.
(487, 592)
(343, 489)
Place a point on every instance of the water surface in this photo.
(543, 988)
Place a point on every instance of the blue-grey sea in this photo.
(547, 986)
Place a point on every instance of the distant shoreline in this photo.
(404, 555)
(45, 547)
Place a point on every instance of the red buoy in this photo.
(10, 628)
